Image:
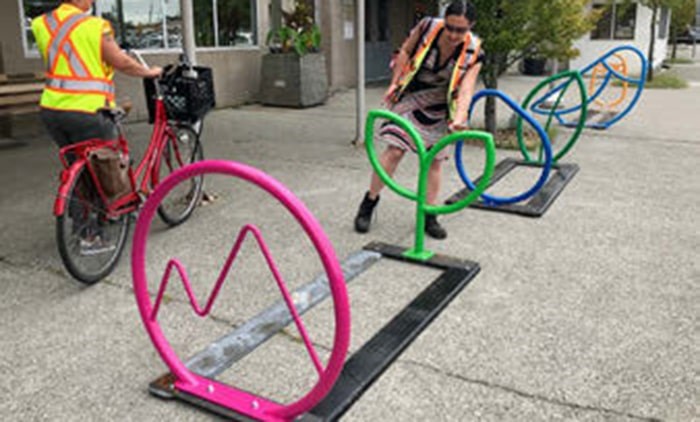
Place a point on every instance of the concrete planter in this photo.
(293, 81)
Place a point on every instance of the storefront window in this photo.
(625, 21)
(664, 22)
(109, 9)
(603, 29)
(204, 23)
(618, 21)
(235, 20)
(173, 23)
(32, 9)
(157, 24)
(143, 22)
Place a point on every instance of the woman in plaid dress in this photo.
(435, 74)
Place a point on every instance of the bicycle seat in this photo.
(117, 114)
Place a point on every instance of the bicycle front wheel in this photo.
(182, 148)
(89, 241)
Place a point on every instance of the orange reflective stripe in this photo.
(465, 60)
(414, 64)
(464, 63)
(77, 62)
(461, 67)
(80, 91)
(477, 50)
(80, 85)
(75, 65)
(62, 35)
(51, 21)
(77, 78)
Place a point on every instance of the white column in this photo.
(189, 45)
(360, 18)
(188, 41)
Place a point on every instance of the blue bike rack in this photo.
(558, 114)
(541, 196)
(547, 148)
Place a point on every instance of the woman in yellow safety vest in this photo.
(434, 75)
(80, 53)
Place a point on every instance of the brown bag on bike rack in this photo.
(112, 170)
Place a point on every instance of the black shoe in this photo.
(433, 228)
(364, 214)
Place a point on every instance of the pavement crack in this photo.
(15, 264)
(6, 262)
(222, 320)
(524, 394)
(296, 338)
(31, 266)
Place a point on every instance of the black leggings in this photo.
(70, 127)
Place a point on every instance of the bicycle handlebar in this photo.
(139, 58)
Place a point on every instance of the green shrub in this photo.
(667, 80)
(299, 32)
(680, 60)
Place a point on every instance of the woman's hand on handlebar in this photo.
(457, 127)
(154, 72)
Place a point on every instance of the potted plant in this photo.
(294, 70)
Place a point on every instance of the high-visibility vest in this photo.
(467, 57)
(70, 43)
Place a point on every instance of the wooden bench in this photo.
(20, 94)
(19, 104)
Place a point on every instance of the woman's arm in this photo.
(404, 55)
(118, 59)
(464, 98)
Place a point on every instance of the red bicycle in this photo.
(92, 223)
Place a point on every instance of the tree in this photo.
(655, 6)
(682, 15)
(514, 29)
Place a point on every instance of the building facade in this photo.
(230, 37)
(624, 24)
(231, 34)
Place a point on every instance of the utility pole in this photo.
(188, 41)
(360, 19)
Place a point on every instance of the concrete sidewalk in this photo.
(589, 313)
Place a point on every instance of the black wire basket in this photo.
(186, 98)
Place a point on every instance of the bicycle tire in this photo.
(188, 144)
(71, 227)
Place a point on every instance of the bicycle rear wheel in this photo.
(89, 242)
(181, 149)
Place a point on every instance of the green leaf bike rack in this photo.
(537, 107)
(425, 158)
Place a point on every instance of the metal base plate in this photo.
(560, 176)
(369, 363)
(163, 388)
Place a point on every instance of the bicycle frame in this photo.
(147, 171)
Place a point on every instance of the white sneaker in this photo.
(94, 246)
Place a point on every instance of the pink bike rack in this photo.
(188, 383)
